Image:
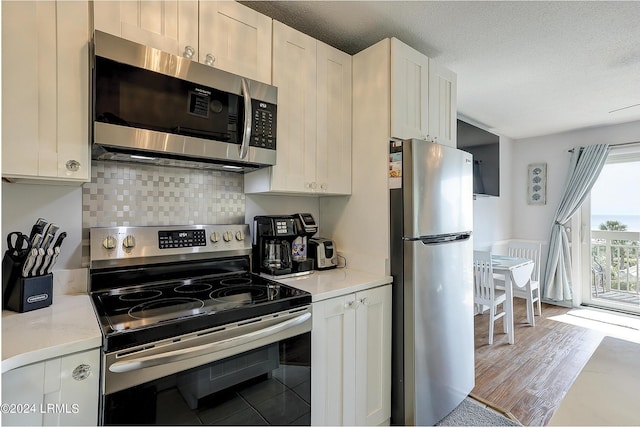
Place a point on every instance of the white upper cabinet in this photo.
(423, 97)
(314, 118)
(223, 34)
(169, 25)
(236, 39)
(333, 143)
(442, 105)
(294, 73)
(409, 92)
(45, 91)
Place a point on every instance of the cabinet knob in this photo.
(350, 305)
(364, 301)
(314, 185)
(188, 52)
(323, 186)
(81, 372)
(72, 165)
(209, 60)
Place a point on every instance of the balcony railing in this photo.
(615, 262)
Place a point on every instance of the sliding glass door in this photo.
(610, 244)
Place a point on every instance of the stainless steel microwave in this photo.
(154, 107)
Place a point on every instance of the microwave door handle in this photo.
(183, 354)
(244, 148)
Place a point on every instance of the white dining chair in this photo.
(531, 292)
(485, 293)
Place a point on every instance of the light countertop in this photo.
(69, 325)
(336, 282)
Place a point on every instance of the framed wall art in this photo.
(537, 184)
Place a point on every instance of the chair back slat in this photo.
(483, 277)
(527, 250)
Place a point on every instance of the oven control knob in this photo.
(239, 236)
(215, 237)
(227, 236)
(129, 242)
(109, 242)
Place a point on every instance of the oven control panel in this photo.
(113, 246)
(182, 238)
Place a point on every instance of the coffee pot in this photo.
(277, 255)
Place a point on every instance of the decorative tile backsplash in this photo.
(122, 194)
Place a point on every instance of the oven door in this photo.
(253, 372)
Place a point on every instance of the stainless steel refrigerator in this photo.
(432, 266)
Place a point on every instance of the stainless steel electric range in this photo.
(191, 336)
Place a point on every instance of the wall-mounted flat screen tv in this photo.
(485, 148)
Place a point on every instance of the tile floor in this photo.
(282, 399)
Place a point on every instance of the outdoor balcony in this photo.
(614, 266)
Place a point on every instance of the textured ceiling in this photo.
(525, 68)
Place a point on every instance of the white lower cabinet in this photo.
(61, 391)
(351, 359)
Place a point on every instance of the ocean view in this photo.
(631, 221)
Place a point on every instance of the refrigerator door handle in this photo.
(442, 239)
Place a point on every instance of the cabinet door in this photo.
(294, 73)
(28, 57)
(59, 392)
(409, 92)
(23, 387)
(236, 39)
(442, 104)
(333, 144)
(78, 379)
(333, 344)
(45, 52)
(373, 354)
(168, 25)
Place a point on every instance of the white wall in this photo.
(534, 221)
(492, 220)
(23, 204)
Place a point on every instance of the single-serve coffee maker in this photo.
(277, 249)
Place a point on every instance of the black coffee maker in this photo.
(273, 239)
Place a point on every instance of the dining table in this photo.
(517, 271)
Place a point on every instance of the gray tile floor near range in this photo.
(284, 399)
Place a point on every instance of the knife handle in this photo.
(28, 264)
(56, 253)
(46, 261)
(38, 262)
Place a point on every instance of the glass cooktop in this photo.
(137, 307)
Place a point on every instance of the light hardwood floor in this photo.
(530, 378)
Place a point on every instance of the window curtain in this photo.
(584, 169)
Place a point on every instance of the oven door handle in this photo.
(183, 354)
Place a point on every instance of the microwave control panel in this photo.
(263, 132)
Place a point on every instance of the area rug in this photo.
(472, 412)
(606, 391)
